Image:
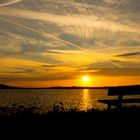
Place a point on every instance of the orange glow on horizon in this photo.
(95, 81)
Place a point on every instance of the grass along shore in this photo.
(30, 120)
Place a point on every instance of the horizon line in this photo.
(62, 87)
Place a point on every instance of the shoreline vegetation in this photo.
(62, 121)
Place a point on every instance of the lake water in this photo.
(82, 99)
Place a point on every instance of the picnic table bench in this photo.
(120, 92)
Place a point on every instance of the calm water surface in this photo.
(82, 99)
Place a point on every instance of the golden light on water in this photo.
(86, 101)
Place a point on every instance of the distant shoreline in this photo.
(2, 86)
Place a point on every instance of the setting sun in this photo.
(85, 78)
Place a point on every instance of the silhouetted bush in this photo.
(59, 109)
(63, 120)
(18, 110)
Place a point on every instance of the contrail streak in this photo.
(118, 65)
(10, 3)
(39, 32)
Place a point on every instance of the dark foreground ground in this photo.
(21, 121)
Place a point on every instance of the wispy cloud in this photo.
(50, 66)
(116, 64)
(9, 2)
(22, 71)
(68, 20)
(76, 57)
(8, 46)
(119, 72)
(45, 34)
(131, 54)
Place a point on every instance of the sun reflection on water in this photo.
(86, 100)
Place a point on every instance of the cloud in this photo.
(13, 63)
(9, 2)
(39, 32)
(128, 54)
(68, 20)
(76, 57)
(87, 70)
(50, 66)
(89, 35)
(78, 33)
(8, 46)
(22, 70)
(118, 72)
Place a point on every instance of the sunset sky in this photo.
(57, 42)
